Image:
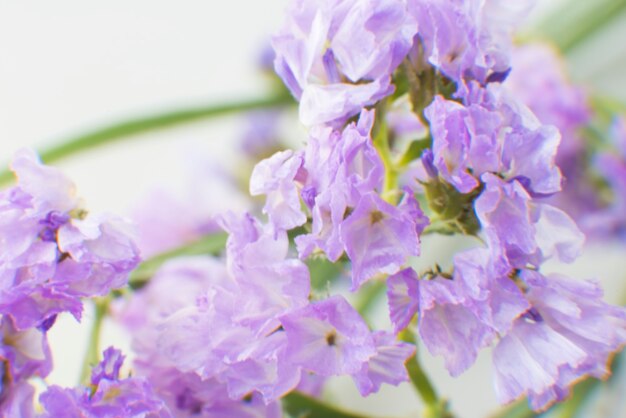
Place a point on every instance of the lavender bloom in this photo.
(53, 255)
(339, 169)
(109, 367)
(275, 177)
(463, 138)
(527, 231)
(539, 80)
(388, 365)
(260, 135)
(449, 324)
(402, 298)
(17, 401)
(468, 39)
(567, 334)
(610, 219)
(378, 238)
(338, 56)
(462, 312)
(25, 353)
(185, 393)
(328, 338)
(492, 132)
(109, 397)
(225, 326)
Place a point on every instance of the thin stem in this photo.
(140, 125)
(571, 24)
(368, 296)
(580, 394)
(519, 409)
(92, 355)
(381, 143)
(300, 405)
(434, 406)
(209, 244)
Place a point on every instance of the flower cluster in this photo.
(54, 254)
(240, 334)
(487, 167)
(422, 118)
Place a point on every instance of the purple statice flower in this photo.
(274, 177)
(379, 238)
(52, 253)
(17, 400)
(109, 367)
(568, 333)
(459, 312)
(448, 324)
(388, 365)
(339, 168)
(468, 39)
(343, 178)
(528, 232)
(224, 328)
(539, 80)
(260, 135)
(492, 132)
(463, 138)
(328, 338)
(186, 394)
(610, 219)
(109, 396)
(337, 56)
(402, 298)
(25, 353)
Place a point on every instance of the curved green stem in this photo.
(209, 244)
(571, 24)
(518, 409)
(140, 125)
(435, 407)
(381, 143)
(92, 355)
(299, 405)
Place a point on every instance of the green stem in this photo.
(209, 244)
(571, 24)
(92, 355)
(140, 125)
(381, 143)
(368, 296)
(580, 394)
(434, 406)
(518, 409)
(299, 405)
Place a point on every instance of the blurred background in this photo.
(70, 66)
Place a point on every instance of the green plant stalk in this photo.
(299, 405)
(434, 406)
(519, 409)
(92, 355)
(368, 296)
(571, 24)
(209, 244)
(133, 127)
(381, 143)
